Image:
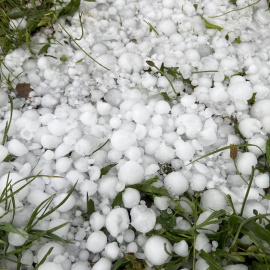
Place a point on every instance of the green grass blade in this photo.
(210, 261)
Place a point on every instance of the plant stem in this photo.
(240, 174)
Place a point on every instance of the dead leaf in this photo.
(23, 89)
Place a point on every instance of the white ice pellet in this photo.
(88, 118)
(162, 203)
(240, 90)
(181, 248)
(85, 147)
(62, 232)
(213, 200)
(208, 136)
(252, 205)
(51, 266)
(245, 161)
(122, 140)
(117, 221)
(107, 187)
(131, 197)
(74, 175)
(63, 164)
(184, 150)
(3, 152)
(260, 109)
(3, 98)
(143, 219)
(68, 204)
(166, 27)
(208, 229)
(50, 141)
(249, 126)
(16, 239)
(236, 267)
(262, 180)
(176, 183)
(58, 249)
(131, 173)
(16, 148)
(130, 62)
(36, 196)
(198, 182)
(140, 114)
(97, 221)
(102, 264)
(57, 127)
(162, 107)
(111, 251)
(202, 243)
(148, 81)
(155, 252)
(96, 242)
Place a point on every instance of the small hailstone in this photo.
(129, 235)
(208, 136)
(213, 200)
(201, 264)
(3, 98)
(16, 148)
(148, 81)
(15, 239)
(236, 267)
(63, 164)
(198, 182)
(103, 264)
(162, 203)
(62, 232)
(50, 141)
(260, 109)
(131, 197)
(88, 118)
(80, 265)
(202, 242)
(131, 173)
(3, 152)
(162, 107)
(140, 114)
(117, 221)
(249, 126)
(262, 180)
(96, 242)
(132, 247)
(103, 108)
(122, 140)
(245, 161)
(181, 248)
(97, 221)
(240, 90)
(167, 27)
(68, 204)
(176, 183)
(252, 205)
(107, 187)
(184, 151)
(51, 266)
(58, 249)
(130, 62)
(208, 229)
(164, 154)
(155, 252)
(111, 251)
(57, 127)
(143, 219)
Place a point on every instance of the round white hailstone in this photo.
(88, 118)
(50, 141)
(245, 161)
(261, 16)
(131, 197)
(208, 136)
(148, 80)
(15, 239)
(155, 252)
(162, 107)
(133, 153)
(3, 98)
(164, 154)
(62, 232)
(181, 248)
(162, 203)
(140, 114)
(117, 221)
(83, 256)
(143, 219)
(162, 82)
(103, 108)
(107, 187)
(132, 248)
(58, 249)
(257, 140)
(51, 266)
(188, 100)
(81, 265)
(99, 48)
(94, 173)
(201, 264)
(115, 122)
(129, 235)
(151, 169)
(218, 94)
(96, 242)
(213, 200)
(102, 264)
(97, 221)
(262, 180)
(36, 196)
(236, 267)
(261, 90)
(260, 109)
(63, 164)
(16, 148)
(112, 251)
(249, 126)
(168, 4)
(3, 152)
(84, 147)
(266, 123)
(130, 62)
(192, 55)
(202, 242)
(184, 151)
(198, 182)
(107, 60)
(167, 27)
(240, 91)
(68, 204)
(57, 127)
(131, 173)
(27, 258)
(208, 229)
(48, 101)
(252, 205)
(74, 175)
(16, 181)
(122, 140)
(176, 183)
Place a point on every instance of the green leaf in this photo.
(195, 6)
(71, 8)
(251, 101)
(90, 0)
(44, 49)
(259, 266)
(230, 256)
(119, 264)
(4, 226)
(8, 158)
(90, 206)
(237, 40)
(166, 220)
(63, 58)
(165, 96)
(106, 169)
(210, 261)
(118, 200)
(209, 25)
(79, 61)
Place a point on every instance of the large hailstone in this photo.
(117, 221)
(96, 242)
(143, 219)
(245, 161)
(155, 252)
(213, 200)
(176, 183)
(122, 140)
(131, 173)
